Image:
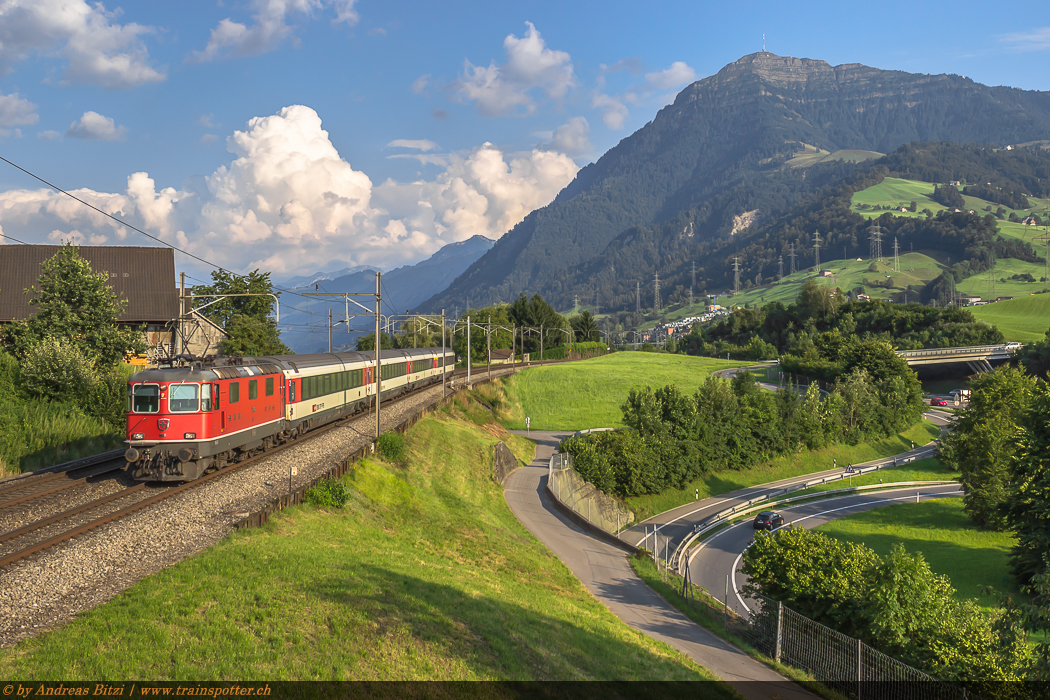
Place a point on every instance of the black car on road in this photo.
(768, 520)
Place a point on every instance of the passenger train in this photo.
(185, 421)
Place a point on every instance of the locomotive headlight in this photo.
(190, 436)
(138, 436)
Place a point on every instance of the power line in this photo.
(126, 224)
(12, 238)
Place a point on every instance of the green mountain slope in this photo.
(717, 153)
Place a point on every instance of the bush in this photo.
(56, 370)
(329, 493)
(391, 446)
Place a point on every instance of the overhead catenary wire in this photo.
(127, 225)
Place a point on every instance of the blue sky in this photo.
(298, 135)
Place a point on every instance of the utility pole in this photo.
(875, 237)
(780, 266)
(638, 297)
(180, 343)
(656, 293)
(575, 302)
(541, 343)
(330, 330)
(488, 338)
(468, 351)
(816, 249)
(379, 366)
(896, 256)
(736, 274)
(444, 374)
(791, 254)
(692, 283)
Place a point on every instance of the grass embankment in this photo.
(970, 557)
(709, 613)
(35, 433)
(1025, 319)
(424, 574)
(588, 394)
(786, 467)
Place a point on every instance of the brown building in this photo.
(145, 276)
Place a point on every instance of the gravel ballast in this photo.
(51, 588)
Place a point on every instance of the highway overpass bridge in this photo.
(978, 357)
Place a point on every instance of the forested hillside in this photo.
(681, 187)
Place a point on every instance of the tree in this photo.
(534, 312)
(76, 306)
(1036, 357)
(1028, 502)
(246, 319)
(984, 441)
(585, 327)
(367, 343)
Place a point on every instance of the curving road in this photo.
(675, 524)
(604, 570)
(720, 556)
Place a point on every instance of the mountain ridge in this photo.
(707, 158)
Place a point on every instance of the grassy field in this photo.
(1025, 319)
(588, 394)
(980, 284)
(953, 546)
(424, 574)
(916, 269)
(896, 192)
(811, 155)
(786, 467)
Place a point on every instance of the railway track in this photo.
(59, 485)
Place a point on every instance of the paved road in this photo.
(675, 524)
(721, 554)
(605, 572)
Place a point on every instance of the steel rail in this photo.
(168, 493)
(58, 487)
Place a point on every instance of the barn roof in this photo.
(144, 276)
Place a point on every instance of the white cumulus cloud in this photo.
(573, 137)
(15, 111)
(614, 111)
(97, 48)
(288, 202)
(93, 126)
(676, 75)
(507, 88)
(268, 29)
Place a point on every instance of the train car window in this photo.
(205, 397)
(184, 398)
(130, 402)
(235, 392)
(269, 386)
(215, 397)
(146, 398)
(291, 391)
(328, 384)
(253, 389)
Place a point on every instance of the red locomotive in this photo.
(185, 421)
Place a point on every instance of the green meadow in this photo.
(424, 574)
(1024, 319)
(589, 393)
(953, 546)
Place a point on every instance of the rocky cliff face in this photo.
(720, 132)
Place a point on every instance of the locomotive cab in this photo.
(167, 423)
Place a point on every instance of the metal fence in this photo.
(598, 508)
(838, 661)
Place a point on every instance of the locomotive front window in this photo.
(146, 398)
(206, 397)
(184, 398)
